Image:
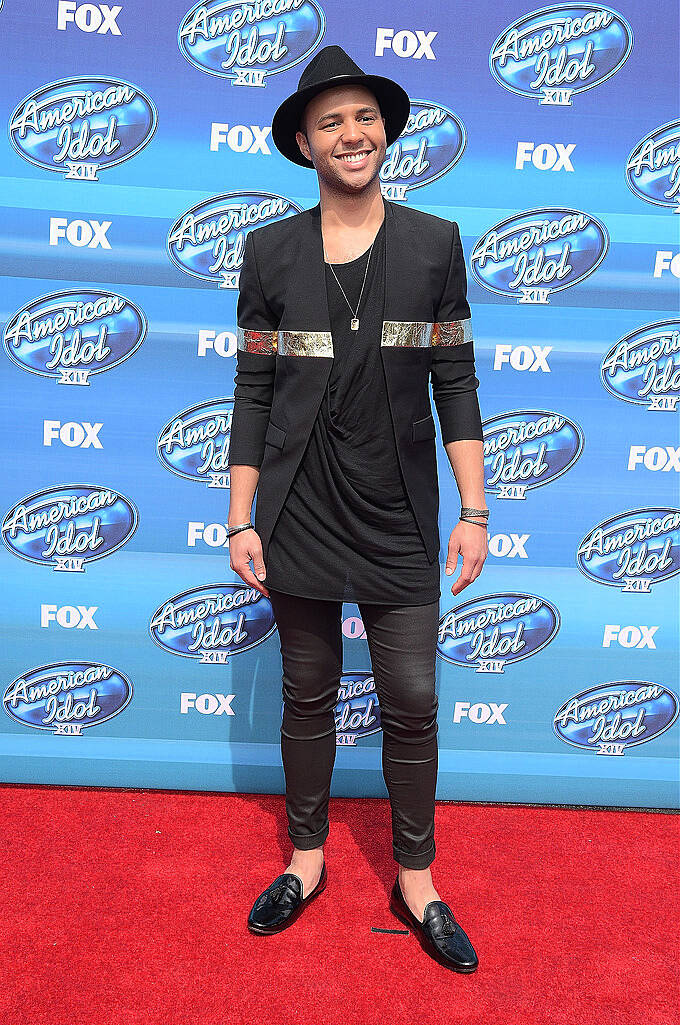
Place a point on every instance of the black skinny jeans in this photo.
(402, 645)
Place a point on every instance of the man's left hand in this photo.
(470, 540)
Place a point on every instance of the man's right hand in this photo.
(244, 546)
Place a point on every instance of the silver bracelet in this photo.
(467, 511)
(476, 522)
(240, 526)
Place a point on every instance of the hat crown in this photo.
(330, 62)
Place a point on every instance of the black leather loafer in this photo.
(282, 903)
(439, 933)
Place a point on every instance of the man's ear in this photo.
(301, 140)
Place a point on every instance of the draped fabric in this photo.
(347, 531)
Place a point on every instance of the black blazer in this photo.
(285, 354)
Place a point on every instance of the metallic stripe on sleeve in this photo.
(262, 342)
(305, 343)
(452, 332)
(406, 333)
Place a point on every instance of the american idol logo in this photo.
(632, 550)
(526, 449)
(536, 252)
(357, 712)
(494, 630)
(69, 525)
(614, 716)
(248, 41)
(208, 241)
(213, 622)
(430, 145)
(653, 167)
(561, 50)
(69, 336)
(643, 367)
(195, 443)
(66, 697)
(80, 125)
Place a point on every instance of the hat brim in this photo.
(394, 103)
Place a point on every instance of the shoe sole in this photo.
(262, 930)
(463, 970)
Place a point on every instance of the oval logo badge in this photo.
(69, 525)
(555, 52)
(79, 126)
(248, 42)
(526, 449)
(430, 145)
(71, 335)
(534, 253)
(652, 167)
(489, 632)
(357, 712)
(213, 622)
(195, 443)
(67, 697)
(643, 367)
(208, 241)
(632, 550)
(614, 716)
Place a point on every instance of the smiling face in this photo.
(344, 137)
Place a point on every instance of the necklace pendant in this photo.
(354, 324)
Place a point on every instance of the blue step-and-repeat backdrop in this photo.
(136, 157)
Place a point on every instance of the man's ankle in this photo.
(311, 855)
(415, 875)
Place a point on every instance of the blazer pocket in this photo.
(424, 429)
(275, 435)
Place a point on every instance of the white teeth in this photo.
(354, 158)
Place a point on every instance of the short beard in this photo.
(341, 187)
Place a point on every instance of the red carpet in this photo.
(125, 906)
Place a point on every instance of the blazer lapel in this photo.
(405, 297)
(393, 264)
(306, 306)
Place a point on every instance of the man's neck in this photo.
(341, 213)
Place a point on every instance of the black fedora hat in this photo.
(331, 66)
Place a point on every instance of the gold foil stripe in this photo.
(305, 343)
(421, 334)
(262, 342)
(452, 332)
(406, 333)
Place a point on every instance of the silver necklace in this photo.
(354, 323)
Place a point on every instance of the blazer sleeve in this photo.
(454, 384)
(255, 365)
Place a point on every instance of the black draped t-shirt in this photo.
(347, 531)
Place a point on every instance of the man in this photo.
(345, 311)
